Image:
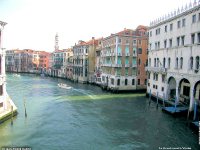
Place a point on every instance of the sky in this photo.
(33, 24)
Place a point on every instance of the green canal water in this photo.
(87, 118)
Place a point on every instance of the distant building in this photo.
(123, 58)
(98, 62)
(84, 61)
(27, 61)
(173, 60)
(58, 61)
(67, 64)
(44, 58)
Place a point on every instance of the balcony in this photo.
(134, 65)
(127, 54)
(127, 65)
(134, 54)
(117, 65)
(108, 54)
(107, 65)
(119, 54)
(156, 69)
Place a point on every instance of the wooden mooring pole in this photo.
(25, 108)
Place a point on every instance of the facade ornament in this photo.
(178, 11)
(174, 12)
(186, 7)
(190, 5)
(195, 3)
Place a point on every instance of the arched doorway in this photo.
(184, 91)
(197, 92)
(171, 92)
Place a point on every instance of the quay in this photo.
(9, 112)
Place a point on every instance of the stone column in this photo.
(177, 93)
(2, 24)
(191, 107)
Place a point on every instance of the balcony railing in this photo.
(119, 54)
(156, 69)
(117, 65)
(127, 65)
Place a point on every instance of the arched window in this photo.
(181, 62)
(126, 81)
(139, 61)
(197, 63)
(118, 81)
(0, 64)
(157, 62)
(169, 62)
(164, 62)
(176, 63)
(149, 62)
(191, 62)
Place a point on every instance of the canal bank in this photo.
(85, 117)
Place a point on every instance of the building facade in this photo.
(173, 60)
(44, 58)
(119, 57)
(7, 107)
(84, 61)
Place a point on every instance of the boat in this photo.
(64, 86)
(16, 75)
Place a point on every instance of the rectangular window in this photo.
(134, 41)
(170, 42)
(118, 82)
(199, 20)
(1, 90)
(133, 81)
(139, 50)
(179, 24)
(166, 28)
(193, 18)
(162, 89)
(150, 33)
(163, 78)
(126, 82)
(198, 35)
(171, 26)
(193, 38)
(150, 46)
(165, 43)
(157, 31)
(183, 22)
(112, 81)
(183, 40)
(155, 45)
(158, 45)
(138, 81)
(145, 82)
(178, 41)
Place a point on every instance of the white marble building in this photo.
(174, 51)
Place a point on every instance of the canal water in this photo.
(87, 118)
